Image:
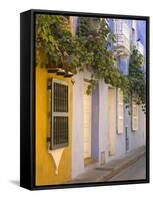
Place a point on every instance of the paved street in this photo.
(133, 172)
(130, 167)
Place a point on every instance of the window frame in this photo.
(57, 114)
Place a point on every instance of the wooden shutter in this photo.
(135, 112)
(59, 123)
(112, 120)
(87, 103)
(120, 118)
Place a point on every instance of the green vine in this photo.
(137, 82)
(96, 37)
(54, 37)
(89, 48)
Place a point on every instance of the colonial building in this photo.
(53, 123)
(75, 131)
(102, 128)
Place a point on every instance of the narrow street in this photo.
(133, 172)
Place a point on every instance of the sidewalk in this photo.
(107, 171)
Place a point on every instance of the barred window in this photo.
(60, 97)
(60, 130)
(59, 122)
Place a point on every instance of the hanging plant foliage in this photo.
(89, 48)
(96, 37)
(53, 35)
(137, 82)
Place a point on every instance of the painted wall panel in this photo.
(103, 122)
(112, 120)
(100, 131)
(87, 118)
(77, 124)
(45, 165)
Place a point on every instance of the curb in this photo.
(116, 170)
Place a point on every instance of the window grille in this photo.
(59, 123)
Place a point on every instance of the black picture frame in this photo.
(27, 99)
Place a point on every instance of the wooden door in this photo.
(111, 119)
(87, 122)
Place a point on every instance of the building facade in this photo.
(102, 128)
(75, 131)
(53, 126)
(53, 163)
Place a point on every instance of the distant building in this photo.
(102, 129)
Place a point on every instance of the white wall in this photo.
(100, 132)
(9, 98)
(137, 138)
(103, 119)
(78, 123)
(77, 126)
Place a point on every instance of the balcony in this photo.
(122, 32)
(134, 24)
(140, 47)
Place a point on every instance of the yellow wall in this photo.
(45, 168)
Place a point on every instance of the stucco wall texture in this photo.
(124, 142)
(99, 135)
(45, 164)
(72, 159)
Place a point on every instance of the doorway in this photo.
(87, 102)
(111, 120)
